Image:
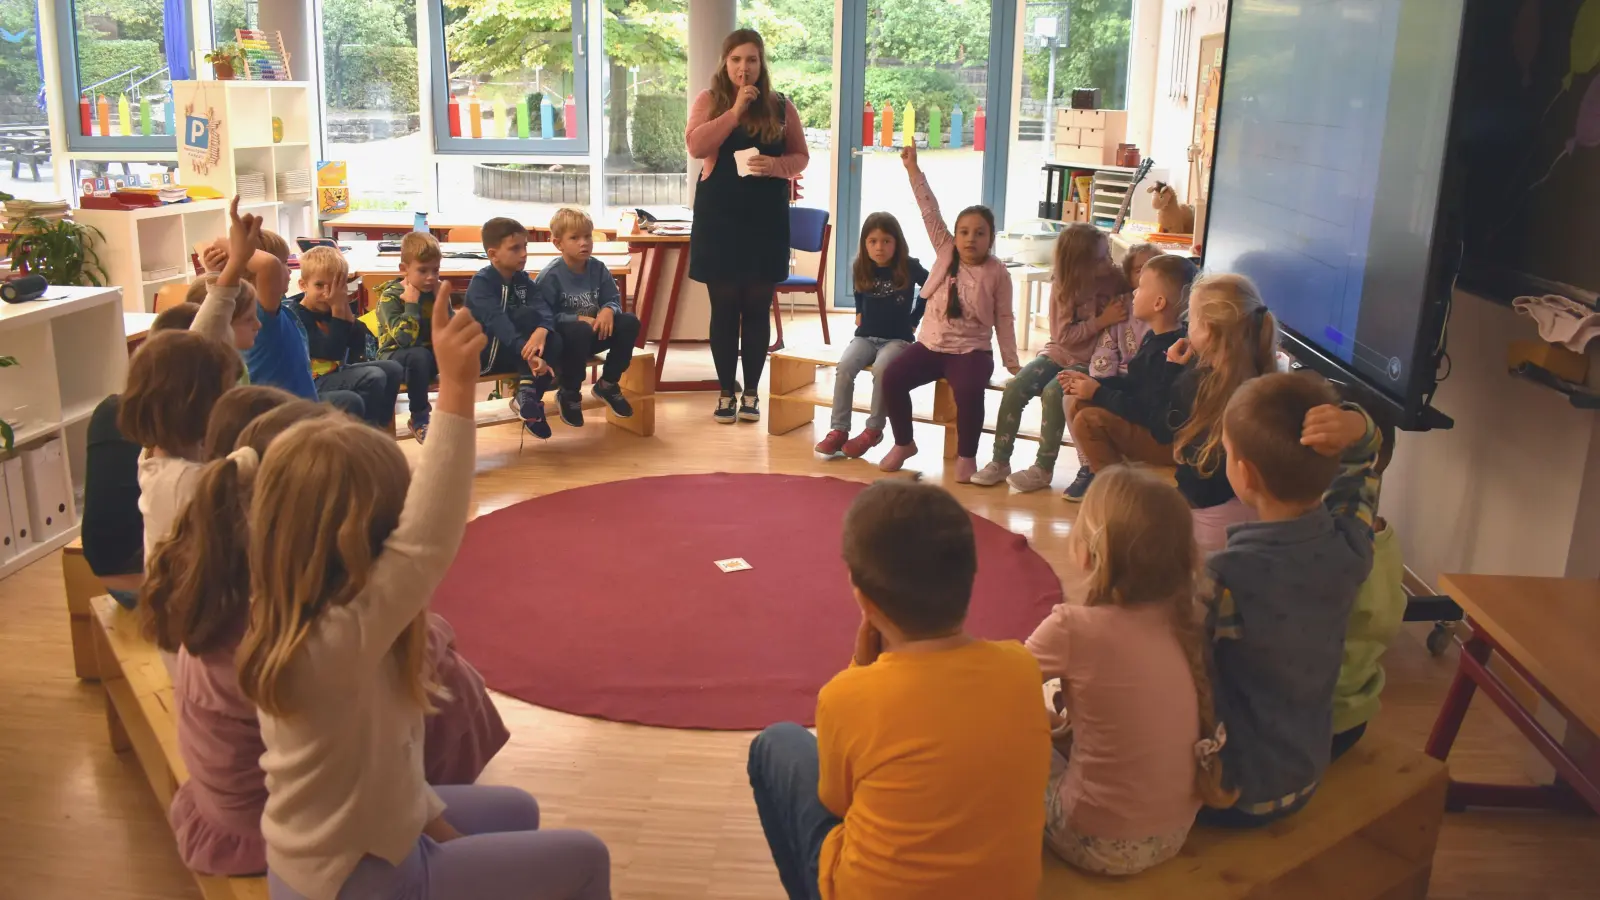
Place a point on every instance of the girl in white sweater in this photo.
(346, 547)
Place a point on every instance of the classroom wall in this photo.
(1172, 122)
(1514, 487)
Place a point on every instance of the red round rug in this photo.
(607, 601)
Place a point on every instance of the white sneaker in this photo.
(992, 474)
(1032, 478)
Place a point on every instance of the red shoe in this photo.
(830, 445)
(857, 446)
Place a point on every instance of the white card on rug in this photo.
(732, 565)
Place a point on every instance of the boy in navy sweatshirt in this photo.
(583, 295)
(1285, 585)
(520, 324)
(337, 341)
(1124, 417)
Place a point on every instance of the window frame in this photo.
(438, 100)
(67, 57)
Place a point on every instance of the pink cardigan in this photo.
(984, 291)
(705, 135)
(1072, 330)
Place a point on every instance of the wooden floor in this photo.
(76, 821)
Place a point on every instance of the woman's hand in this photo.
(1180, 352)
(908, 158)
(761, 165)
(745, 96)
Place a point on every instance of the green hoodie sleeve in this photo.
(399, 322)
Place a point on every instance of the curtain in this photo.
(175, 37)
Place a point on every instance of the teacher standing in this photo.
(739, 246)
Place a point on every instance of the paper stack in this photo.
(172, 193)
(252, 187)
(49, 210)
(294, 185)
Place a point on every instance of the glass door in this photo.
(934, 73)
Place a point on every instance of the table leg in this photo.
(645, 300)
(666, 331)
(1454, 710)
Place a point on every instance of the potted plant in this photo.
(62, 251)
(225, 58)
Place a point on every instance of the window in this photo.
(228, 16)
(370, 106)
(115, 57)
(473, 190)
(645, 104)
(24, 127)
(799, 39)
(509, 77)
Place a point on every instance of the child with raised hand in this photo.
(1115, 418)
(582, 295)
(198, 600)
(888, 310)
(1232, 338)
(337, 340)
(1084, 304)
(520, 324)
(1285, 585)
(932, 750)
(405, 314)
(969, 309)
(1132, 659)
(346, 547)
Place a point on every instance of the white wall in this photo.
(1172, 123)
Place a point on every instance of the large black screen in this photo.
(1329, 164)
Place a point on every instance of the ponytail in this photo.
(197, 592)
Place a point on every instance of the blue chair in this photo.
(809, 232)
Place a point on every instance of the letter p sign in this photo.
(197, 133)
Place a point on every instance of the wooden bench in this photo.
(141, 717)
(796, 392)
(82, 587)
(1367, 834)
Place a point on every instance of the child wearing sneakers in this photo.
(1117, 418)
(888, 309)
(520, 324)
(583, 294)
(405, 322)
(1285, 585)
(337, 340)
(932, 750)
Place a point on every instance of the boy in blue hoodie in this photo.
(587, 306)
(520, 324)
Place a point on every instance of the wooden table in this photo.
(137, 327)
(376, 224)
(654, 251)
(1546, 630)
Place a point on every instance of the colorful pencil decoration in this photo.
(866, 125)
(124, 116)
(171, 113)
(264, 56)
(144, 115)
(502, 126)
(547, 118)
(886, 124)
(522, 116)
(909, 131)
(474, 115)
(978, 122)
(104, 109)
(569, 117)
(935, 126)
(454, 115)
(85, 116)
(955, 127)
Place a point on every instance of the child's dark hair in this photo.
(174, 379)
(910, 550)
(1074, 272)
(197, 592)
(900, 264)
(952, 309)
(497, 229)
(238, 408)
(175, 318)
(1264, 420)
(1176, 274)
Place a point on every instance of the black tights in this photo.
(739, 312)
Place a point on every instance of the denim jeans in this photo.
(860, 353)
(377, 383)
(783, 771)
(421, 369)
(1037, 379)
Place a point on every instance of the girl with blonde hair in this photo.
(1133, 664)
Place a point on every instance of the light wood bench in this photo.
(82, 587)
(141, 717)
(796, 392)
(1367, 834)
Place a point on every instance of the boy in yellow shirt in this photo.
(932, 750)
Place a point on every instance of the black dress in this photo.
(741, 224)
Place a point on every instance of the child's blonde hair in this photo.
(1243, 344)
(1139, 537)
(323, 261)
(244, 305)
(327, 496)
(273, 243)
(419, 247)
(569, 221)
(1074, 271)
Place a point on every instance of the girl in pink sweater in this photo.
(197, 605)
(969, 307)
(1134, 683)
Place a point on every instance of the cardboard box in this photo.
(1070, 137)
(1091, 137)
(1088, 156)
(1111, 124)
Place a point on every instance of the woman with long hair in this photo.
(751, 141)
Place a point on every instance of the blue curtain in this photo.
(175, 37)
(38, 54)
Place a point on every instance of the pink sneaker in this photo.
(897, 456)
(966, 467)
(858, 446)
(831, 444)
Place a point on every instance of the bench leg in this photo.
(107, 666)
(786, 376)
(944, 413)
(638, 383)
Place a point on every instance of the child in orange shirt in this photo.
(932, 750)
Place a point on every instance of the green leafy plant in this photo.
(8, 435)
(227, 57)
(62, 251)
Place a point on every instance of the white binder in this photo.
(20, 530)
(49, 502)
(8, 534)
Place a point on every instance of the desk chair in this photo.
(464, 234)
(171, 295)
(809, 232)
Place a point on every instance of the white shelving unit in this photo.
(146, 249)
(246, 110)
(71, 353)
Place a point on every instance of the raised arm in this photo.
(216, 311)
(795, 153)
(704, 134)
(926, 202)
(1353, 496)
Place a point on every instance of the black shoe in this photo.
(748, 409)
(1079, 485)
(530, 406)
(612, 395)
(726, 413)
(571, 407)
